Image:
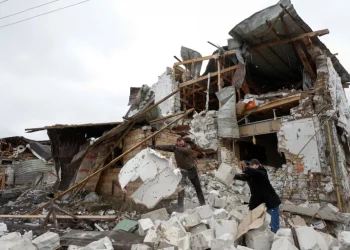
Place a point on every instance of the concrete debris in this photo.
(243, 248)
(3, 229)
(220, 214)
(156, 172)
(102, 244)
(144, 225)
(202, 240)
(198, 229)
(284, 244)
(204, 130)
(159, 214)
(307, 238)
(205, 212)
(225, 242)
(192, 219)
(140, 247)
(259, 239)
(225, 174)
(284, 233)
(92, 197)
(222, 227)
(344, 240)
(47, 241)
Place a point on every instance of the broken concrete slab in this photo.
(225, 174)
(259, 239)
(144, 225)
(102, 244)
(198, 229)
(192, 219)
(284, 244)
(329, 239)
(47, 241)
(225, 242)
(221, 227)
(344, 240)
(140, 247)
(205, 212)
(156, 172)
(220, 214)
(284, 233)
(202, 240)
(159, 214)
(307, 238)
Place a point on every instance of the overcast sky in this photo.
(76, 65)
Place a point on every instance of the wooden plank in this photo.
(41, 216)
(297, 38)
(272, 105)
(265, 127)
(231, 52)
(304, 60)
(206, 76)
(219, 77)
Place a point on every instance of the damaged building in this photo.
(275, 92)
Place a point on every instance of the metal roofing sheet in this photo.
(256, 30)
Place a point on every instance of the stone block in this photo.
(170, 235)
(140, 247)
(159, 214)
(193, 219)
(220, 214)
(225, 242)
(198, 229)
(284, 233)
(22, 244)
(259, 239)
(283, 243)
(236, 215)
(11, 237)
(307, 238)
(202, 240)
(222, 227)
(151, 238)
(47, 241)
(205, 212)
(184, 242)
(175, 222)
(144, 225)
(225, 174)
(329, 239)
(344, 240)
(3, 229)
(211, 197)
(102, 244)
(220, 203)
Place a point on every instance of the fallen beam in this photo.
(203, 58)
(41, 216)
(206, 76)
(272, 105)
(300, 37)
(317, 213)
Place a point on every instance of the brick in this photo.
(202, 240)
(144, 226)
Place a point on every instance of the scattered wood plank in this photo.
(231, 52)
(300, 37)
(206, 77)
(41, 216)
(272, 105)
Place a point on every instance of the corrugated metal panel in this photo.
(255, 31)
(31, 166)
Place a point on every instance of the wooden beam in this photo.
(297, 38)
(166, 117)
(345, 86)
(206, 76)
(204, 87)
(305, 62)
(294, 19)
(231, 52)
(272, 105)
(108, 165)
(40, 216)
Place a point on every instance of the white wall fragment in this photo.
(291, 138)
(156, 172)
(344, 240)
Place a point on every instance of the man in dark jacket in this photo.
(261, 190)
(185, 160)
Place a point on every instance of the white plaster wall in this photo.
(166, 84)
(339, 99)
(292, 137)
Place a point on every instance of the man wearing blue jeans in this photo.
(261, 190)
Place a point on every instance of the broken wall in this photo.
(166, 85)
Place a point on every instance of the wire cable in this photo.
(43, 14)
(35, 7)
